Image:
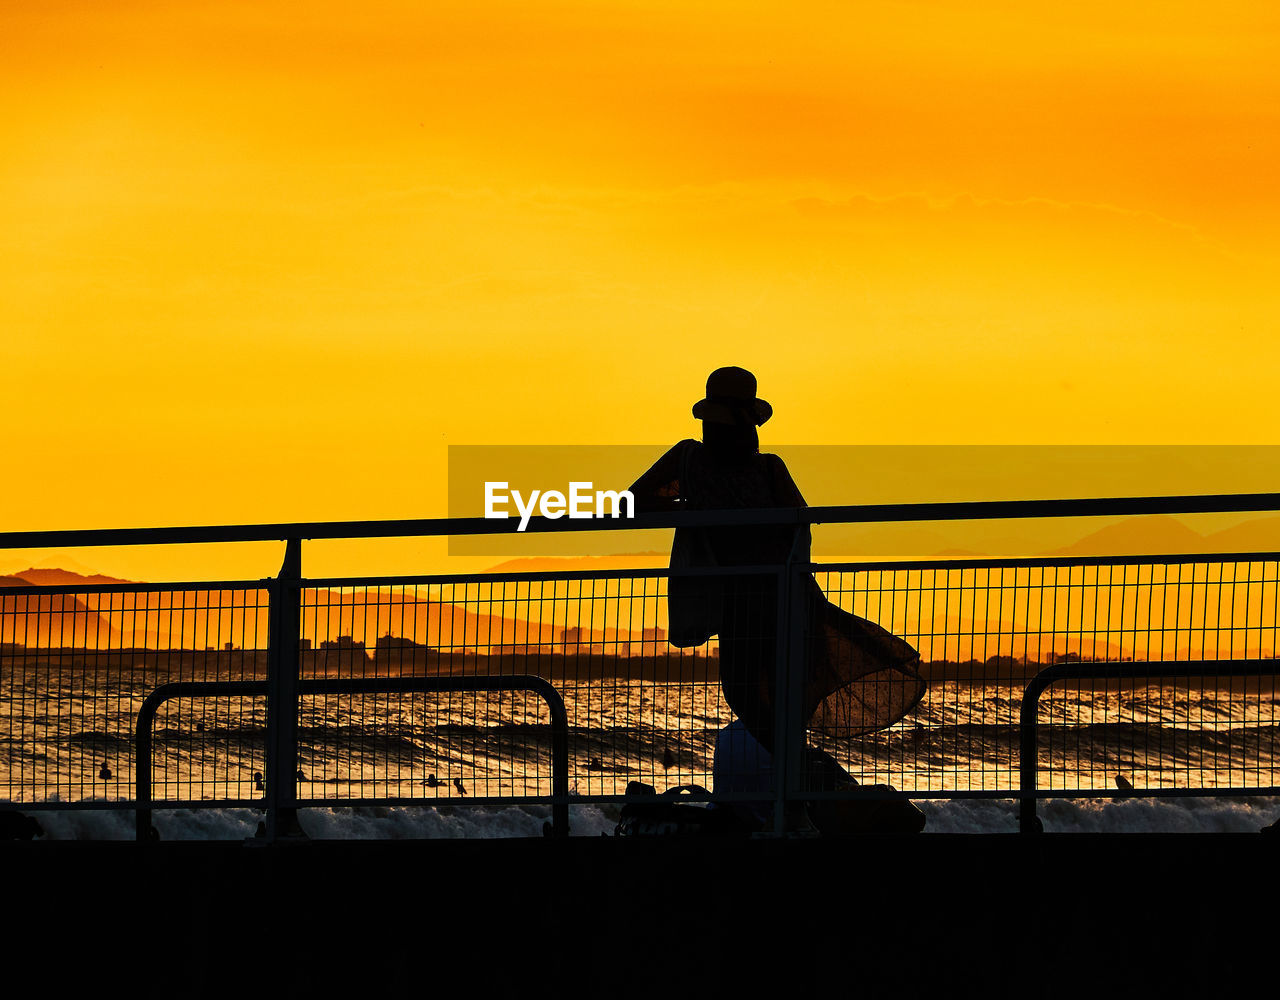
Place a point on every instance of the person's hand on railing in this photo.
(659, 504)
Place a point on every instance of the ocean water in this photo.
(433, 755)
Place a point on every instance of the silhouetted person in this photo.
(457, 783)
(105, 772)
(257, 782)
(433, 781)
(858, 677)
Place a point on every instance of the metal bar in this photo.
(849, 514)
(509, 682)
(1028, 821)
(780, 750)
(284, 617)
(372, 685)
(142, 739)
(1034, 562)
(792, 735)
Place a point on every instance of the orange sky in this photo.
(265, 261)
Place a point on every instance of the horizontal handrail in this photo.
(570, 575)
(848, 514)
(1028, 762)
(372, 685)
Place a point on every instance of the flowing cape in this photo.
(858, 677)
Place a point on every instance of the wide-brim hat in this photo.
(731, 392)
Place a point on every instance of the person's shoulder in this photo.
(679, 450)
(775, 469)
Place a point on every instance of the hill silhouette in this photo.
(1261, 535)
(563, 564)
(53, 577)
(54, 620)
(1140, 535)
(1166, 534)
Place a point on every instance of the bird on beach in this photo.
(457, 783)
(105, 773)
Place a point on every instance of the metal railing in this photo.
(285, 800)
(1157, 741)
(312, 657)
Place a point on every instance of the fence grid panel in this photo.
(77, 662)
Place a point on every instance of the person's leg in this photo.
(748, 653)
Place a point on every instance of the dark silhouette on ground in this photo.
(18, 826)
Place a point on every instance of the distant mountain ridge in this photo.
(560, 564)
(53, 577)
(1165, 534)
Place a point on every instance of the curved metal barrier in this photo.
(383, 685)
(1028, 821)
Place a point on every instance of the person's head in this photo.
(731, 412)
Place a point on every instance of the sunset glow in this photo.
(266, 261)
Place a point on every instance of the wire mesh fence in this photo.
(76, 664)
(638, 708)
(985, 630)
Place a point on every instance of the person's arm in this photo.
(787, 494)
(659, 488)
(785, 491)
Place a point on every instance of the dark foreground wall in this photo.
(936, 916)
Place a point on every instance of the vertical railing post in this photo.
(284, 624)
(1028, 749)
(796, 735)
(142, 773)
(782, 653)
(789, 726)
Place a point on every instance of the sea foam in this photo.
(1129, 815)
